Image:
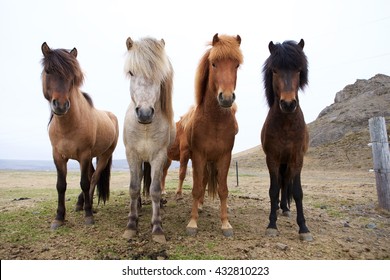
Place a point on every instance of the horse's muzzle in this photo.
(226, 102)
(144, 115)
(288, 106)
(59, 108)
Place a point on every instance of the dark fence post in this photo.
(381, 158)
(237, 172)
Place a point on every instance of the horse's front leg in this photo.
(304, 233)
(85, 182)
(135, 191)
(61, 167)
(157, 166)
(198, 167)
(274, 190)
(223, 169)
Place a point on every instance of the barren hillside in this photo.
(340, 134)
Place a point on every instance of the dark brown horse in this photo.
(284, 136)
(212, 129)
(77, 131)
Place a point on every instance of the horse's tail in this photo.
(103, 185)
(147, 178)
(212, 179)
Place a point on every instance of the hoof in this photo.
(272, 232)
(79, 208)
(129, 234)
(179, 196)
(89, 220)
(192, 231)
(286, 214)
(305, 236)
(159, 238)
(227, 232)
(56, 224)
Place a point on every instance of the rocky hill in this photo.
(340, 134)
(352, 108)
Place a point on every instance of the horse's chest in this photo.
(213, 138)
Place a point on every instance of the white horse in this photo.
(149, 127)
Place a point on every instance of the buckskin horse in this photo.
(77, 130)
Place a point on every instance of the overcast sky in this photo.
(344, 41)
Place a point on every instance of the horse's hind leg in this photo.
(80, 198)
(85, 185)
(61, 189)
(304, 233)
(184, 158)
(284, 202)
(164, 176)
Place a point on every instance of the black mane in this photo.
(288, 56)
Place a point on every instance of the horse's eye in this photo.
(274, 71)
(238, 65)
(214, 66)
(131, 73)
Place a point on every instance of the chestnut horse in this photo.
(212, 129)
(284, 135)
(149, 127)
(77, 131)
(179, 151)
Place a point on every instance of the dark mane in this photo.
(288, 56)
(88, 98)
(60, 62)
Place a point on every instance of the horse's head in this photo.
(224, 59)
(285, 72)
(61, 73)
(149, 71)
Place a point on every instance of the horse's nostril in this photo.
(234, 96)
(220, 96)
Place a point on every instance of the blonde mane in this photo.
(147, 58)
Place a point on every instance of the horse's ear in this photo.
(74, 52)
(238, 39)
(301, 43)
(129, 43)
(215, 39)
(45, 49)
(271, 46)
(162, 42)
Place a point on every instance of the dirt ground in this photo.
(340, 208)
